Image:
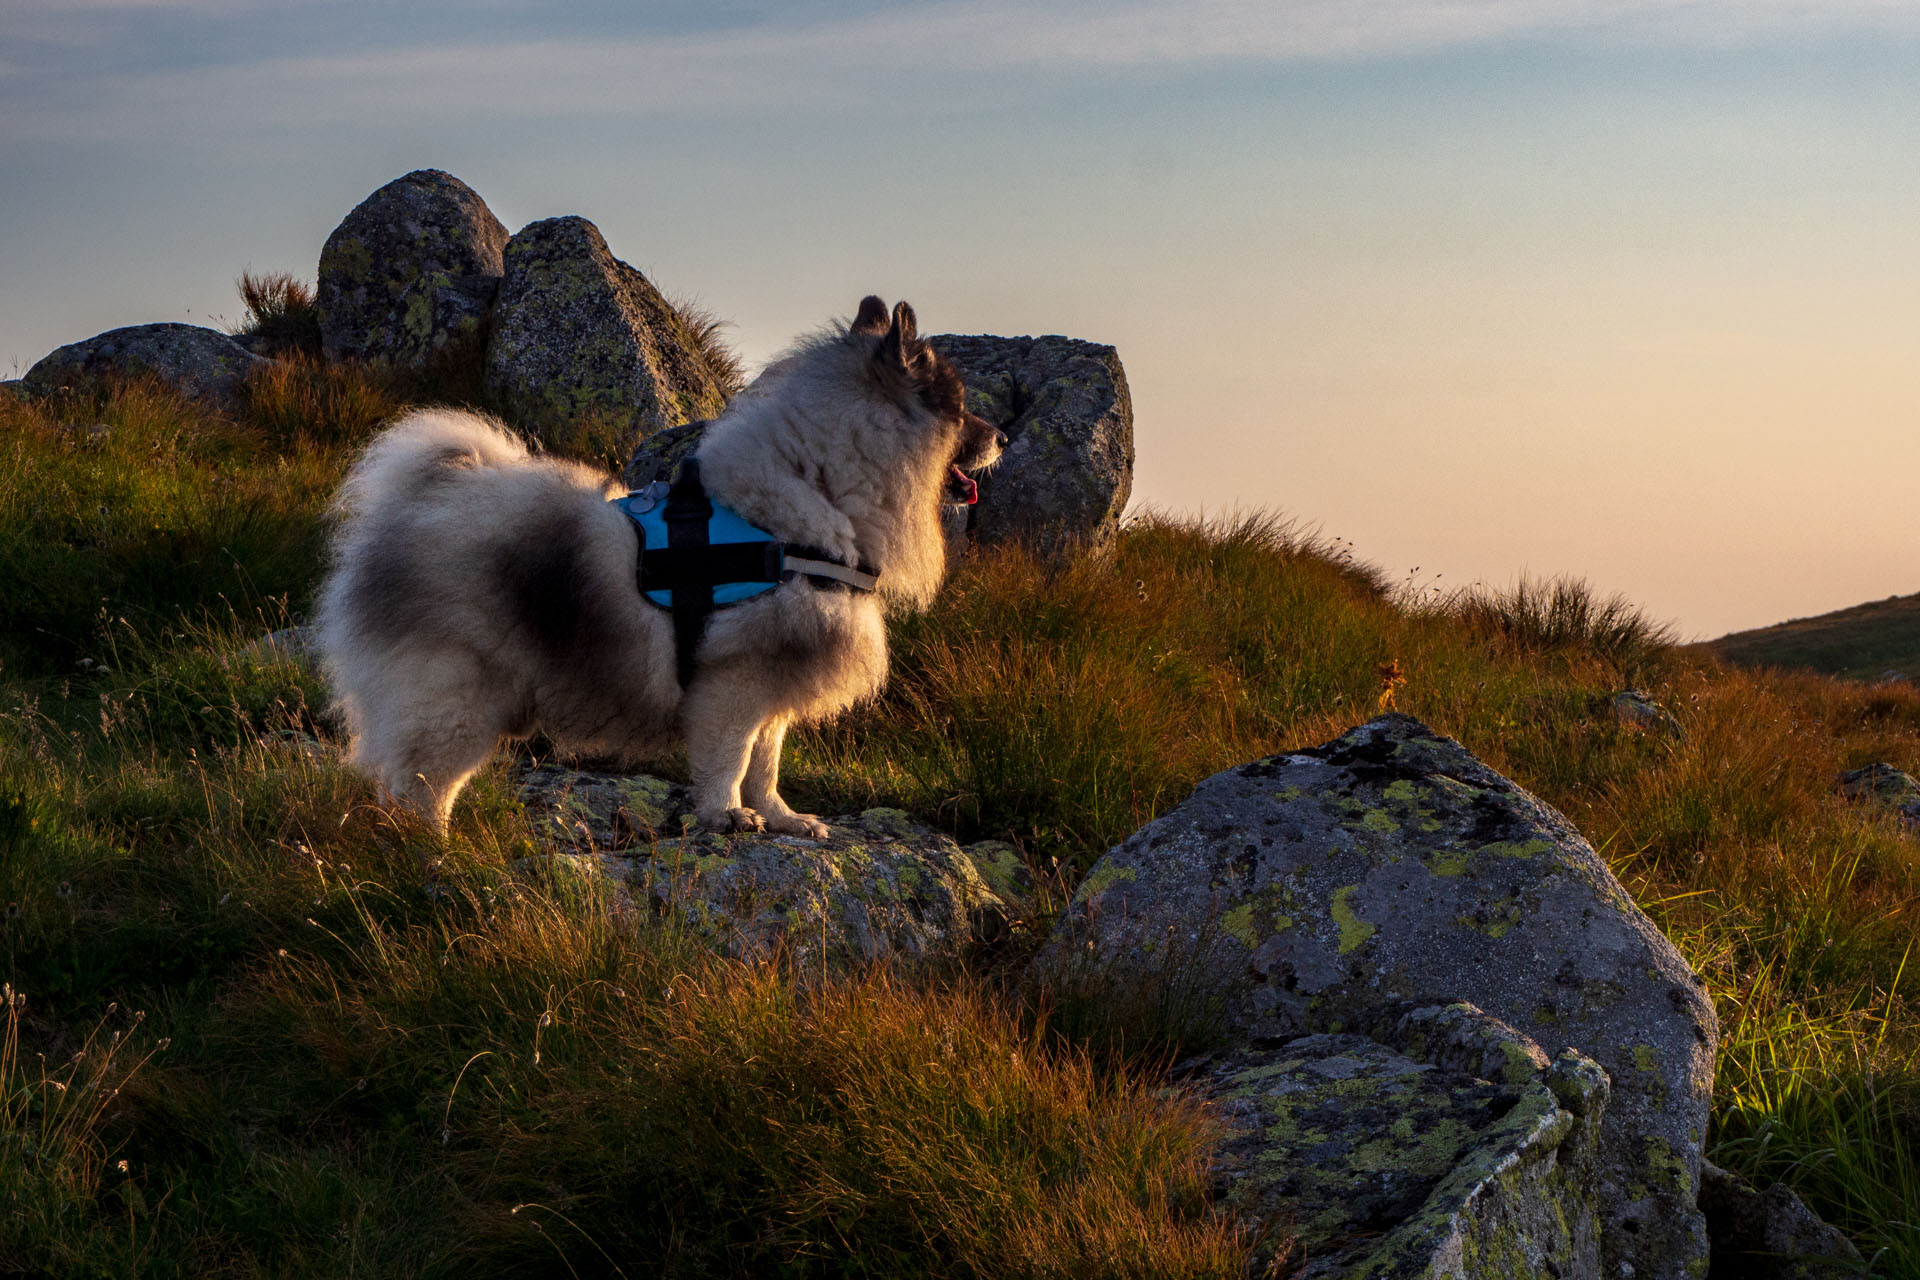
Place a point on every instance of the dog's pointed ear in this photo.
(901, 348)
(871, 318)
(905, 324)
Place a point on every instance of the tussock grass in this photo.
(281, 312)
(519, 1069)
(1533, 616)
(706, 331)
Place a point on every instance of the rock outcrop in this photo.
(579, 334)
(206, 364)
(881, 887)
(1068, 468)
(1305, 892)
(413, 267)
(1443, 1144)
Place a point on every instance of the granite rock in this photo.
(413, 267)
(1771, 1234)
(1068, 468)
(882, 887)
(579, 334)
(1306, 892)
(206, 364)
(1375, 1157)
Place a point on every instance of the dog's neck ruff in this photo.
(697, 556)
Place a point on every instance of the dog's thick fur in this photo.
(478, 592)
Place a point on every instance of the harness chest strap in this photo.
(691, 569)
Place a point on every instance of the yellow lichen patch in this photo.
(1353, 930)
(1238, 925)
(1401, 791)
(1517, 848)
(1378, 820)
(1104, 876)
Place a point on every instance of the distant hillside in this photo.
(1861, 642)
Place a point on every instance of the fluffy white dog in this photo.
(479, 592)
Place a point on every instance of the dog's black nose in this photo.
(1000, 439)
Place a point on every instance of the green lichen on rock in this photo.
(1386, 1164)
(413, 266)
(578, 335)
(1414, 873)
(1005, 870)
(880, 887)
(1353, 930)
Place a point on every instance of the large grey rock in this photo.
(208, 365)
(579, 334)
(1305, 891)
(881, 887)
(1443, 1144)
(414, 266)
(1068, 468)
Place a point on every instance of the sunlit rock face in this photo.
(414, 267)
(1068, 468)
(1306, 892)
(578, 335)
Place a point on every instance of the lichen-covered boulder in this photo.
(1443, 1145)
(1307, 890)
(881, 887)
(1068, 468)
(413, 267)
(206, 364)
(579, 334)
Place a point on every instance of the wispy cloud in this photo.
(838, 61)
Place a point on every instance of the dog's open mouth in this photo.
(960, 489)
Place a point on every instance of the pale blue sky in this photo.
(1623, 289)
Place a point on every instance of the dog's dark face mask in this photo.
(916, 370)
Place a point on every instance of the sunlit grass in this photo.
(368, 1075)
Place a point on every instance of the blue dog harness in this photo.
(697, 556)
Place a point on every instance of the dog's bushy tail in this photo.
(410, 456)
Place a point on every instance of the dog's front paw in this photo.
(741, 819)
(798, 824)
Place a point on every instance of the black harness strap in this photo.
(687, 511)
(690, 565)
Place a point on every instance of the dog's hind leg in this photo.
(760, 789)
(424, 766)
